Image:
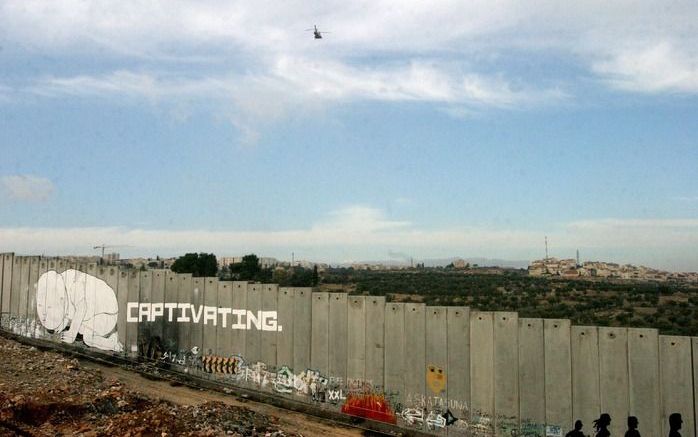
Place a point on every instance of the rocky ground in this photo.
(46, 393)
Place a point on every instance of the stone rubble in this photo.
(45, 393)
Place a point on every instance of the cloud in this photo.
(27, 187)
(635, 233)
(133, 84)
(656, 69)
(298, 87)
(418, 81)
(646, 47)
(363, 232)
(301, 79)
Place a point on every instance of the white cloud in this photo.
(647, 46)
(655, 69)
(133, 84)
(27, 187)
(362, 232)
(302, 79)
(634, 233)
(296, 86)
(418, 81)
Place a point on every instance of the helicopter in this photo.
(317, 34)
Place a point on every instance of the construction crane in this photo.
(106, 246)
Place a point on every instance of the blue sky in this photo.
(457, 129)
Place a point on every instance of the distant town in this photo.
(572, 269)
(547, 267)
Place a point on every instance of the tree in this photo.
(316, 277)
(202, 264)
(248, 269)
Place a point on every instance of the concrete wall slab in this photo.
(224, 332)
(356, 338)
(675, 373)
(613, 376)
(458, 367)
(482, 413)
(338, 336)
(375, 342)
(210, 316)
(284, 338)
(302, 328)
(506, 373)
(253, 339)
(414, 399)
(558, 376)
(132, 330)
(585, 374)
(436, 368)
(531, 377)
(32, 315)
(171, 313)
(319, 347)
(270, 297)
(643, 379)
(239, 336)
(395, 351)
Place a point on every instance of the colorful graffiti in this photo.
(369, 406)
(79, 308)
(436, 379)
(225, 365)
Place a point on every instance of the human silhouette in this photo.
(675, 422)
(601, 425)
(577, 431)
(632, 427)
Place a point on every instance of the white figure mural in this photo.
(74, 302)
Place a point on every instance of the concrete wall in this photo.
(440, 370)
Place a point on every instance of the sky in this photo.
(411, 129)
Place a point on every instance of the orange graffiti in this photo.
(436, 378)
(370, 406)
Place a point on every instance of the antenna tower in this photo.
(546, 247)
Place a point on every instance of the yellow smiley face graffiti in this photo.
(436, 378)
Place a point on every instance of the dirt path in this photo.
(45, 393)
(183, 395)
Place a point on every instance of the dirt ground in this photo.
(48, 394)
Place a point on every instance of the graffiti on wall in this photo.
(74, 302)
(553, 431)
(77, 307)
(239, 319)
(190, 359)
(369, 406)
(530, 428)
(225, 365)
(436, 378)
